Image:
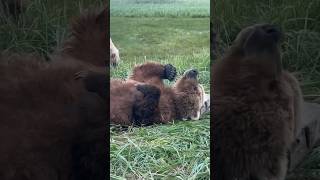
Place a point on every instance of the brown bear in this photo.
(51, 126)
(183, 101)
(143, 99)
(137, 97)
(256, 108)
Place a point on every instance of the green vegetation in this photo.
(144, 30)
(183, 42)
(160, 8)
(300, 20)
(42, 27)
(172, 151)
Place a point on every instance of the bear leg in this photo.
(145, 108)
(150, 70)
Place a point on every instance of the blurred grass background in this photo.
(42, 26)
(160, 8)
(300, 21)
(166, 31)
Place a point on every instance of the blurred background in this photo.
(38, 26)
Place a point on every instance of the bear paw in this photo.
(170, 72)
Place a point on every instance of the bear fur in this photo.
(51, 126)
(256, 108)
(143, 99)
(128, 102)
(114, 54)
(182, 101)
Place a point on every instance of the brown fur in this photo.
(51, 127)
(129, 98)
(88, 41)
(124, 95)
(255, 108)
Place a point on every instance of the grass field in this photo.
(148, 30)
(160, 8)
(300, 20)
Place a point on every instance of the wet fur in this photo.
(256, 109)
(51, 126)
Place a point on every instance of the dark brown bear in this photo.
(51, 127)
(256, 108)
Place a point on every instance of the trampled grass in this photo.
(174, 151)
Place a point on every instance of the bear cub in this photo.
(143, 99)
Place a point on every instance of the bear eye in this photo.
(195, 88)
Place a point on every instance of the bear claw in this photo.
(170, 72)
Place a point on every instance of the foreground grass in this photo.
(174, 151)
(179, 150)
(310, 167)
(300, 20)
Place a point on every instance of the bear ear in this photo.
(103, 18)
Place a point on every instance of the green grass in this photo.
(183, 42)
(42, 27)
(309, 169)
(300, 21)
(160, 8)
(174, 151)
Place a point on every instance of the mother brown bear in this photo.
(51, 127)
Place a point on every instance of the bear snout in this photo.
(192, 73)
